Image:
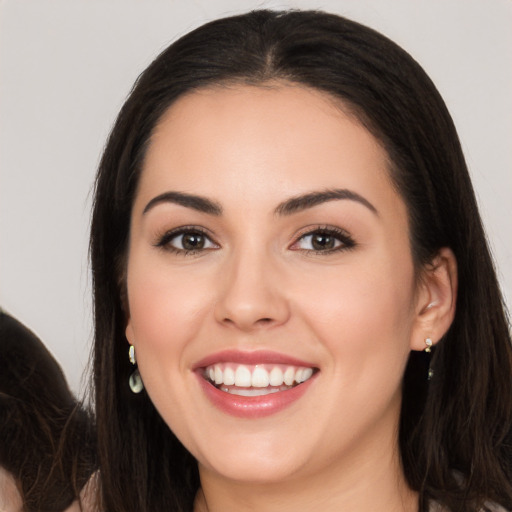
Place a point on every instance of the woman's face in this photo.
(268, 246)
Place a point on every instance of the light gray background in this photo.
(67, 65)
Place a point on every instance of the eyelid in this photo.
(163, 239)
(347, 242)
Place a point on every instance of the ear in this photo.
(435, 299)
(129, 331)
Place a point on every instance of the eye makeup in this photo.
(191, 240)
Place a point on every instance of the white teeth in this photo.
(276, 377)
(229, 376)
(259, 376)
(218, 375)
(251, 391)
(243, 376)
(289, 376)
(306, 374)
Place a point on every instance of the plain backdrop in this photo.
(67, 65)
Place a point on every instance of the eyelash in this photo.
(163, 241)
(346, 241)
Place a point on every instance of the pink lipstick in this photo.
(253, 384)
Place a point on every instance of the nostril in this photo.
(261, 321)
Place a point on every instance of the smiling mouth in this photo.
(256, 380)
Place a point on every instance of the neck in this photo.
(358, 483)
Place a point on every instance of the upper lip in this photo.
(250, 358)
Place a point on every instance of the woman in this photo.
(284, 232)
(47, 448)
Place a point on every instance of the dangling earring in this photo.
(135, 380)
(428, 350)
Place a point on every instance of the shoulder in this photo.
(10, 498)
(494, 507)
(88, 497)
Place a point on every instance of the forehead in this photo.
(266, 141)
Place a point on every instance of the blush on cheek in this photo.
(363, 316)
(164, 314)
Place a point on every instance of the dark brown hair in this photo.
(453, 432)
(47, 440)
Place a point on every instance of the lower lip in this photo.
(253, 406)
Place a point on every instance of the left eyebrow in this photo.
(305, 201)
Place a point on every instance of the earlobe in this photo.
(129, 332)
(436, 299)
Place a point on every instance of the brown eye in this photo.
(319, 241)
(186, 241)
(192, 241)
(322, 242)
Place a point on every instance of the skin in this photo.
(10, 498)
(353, 313)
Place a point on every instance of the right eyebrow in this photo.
(199, 203)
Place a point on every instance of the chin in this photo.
(254, 470)
(250, 460)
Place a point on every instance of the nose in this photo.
(251, 293)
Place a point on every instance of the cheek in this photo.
(363, 310)
(166, 315)
(165, 308)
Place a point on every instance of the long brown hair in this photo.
(454, 433)
(47, 440)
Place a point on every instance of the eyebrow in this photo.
(288, 207)
(199, 203)
(305, 201)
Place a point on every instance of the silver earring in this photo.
(135, 380)
(428, 343)
(131, 354)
